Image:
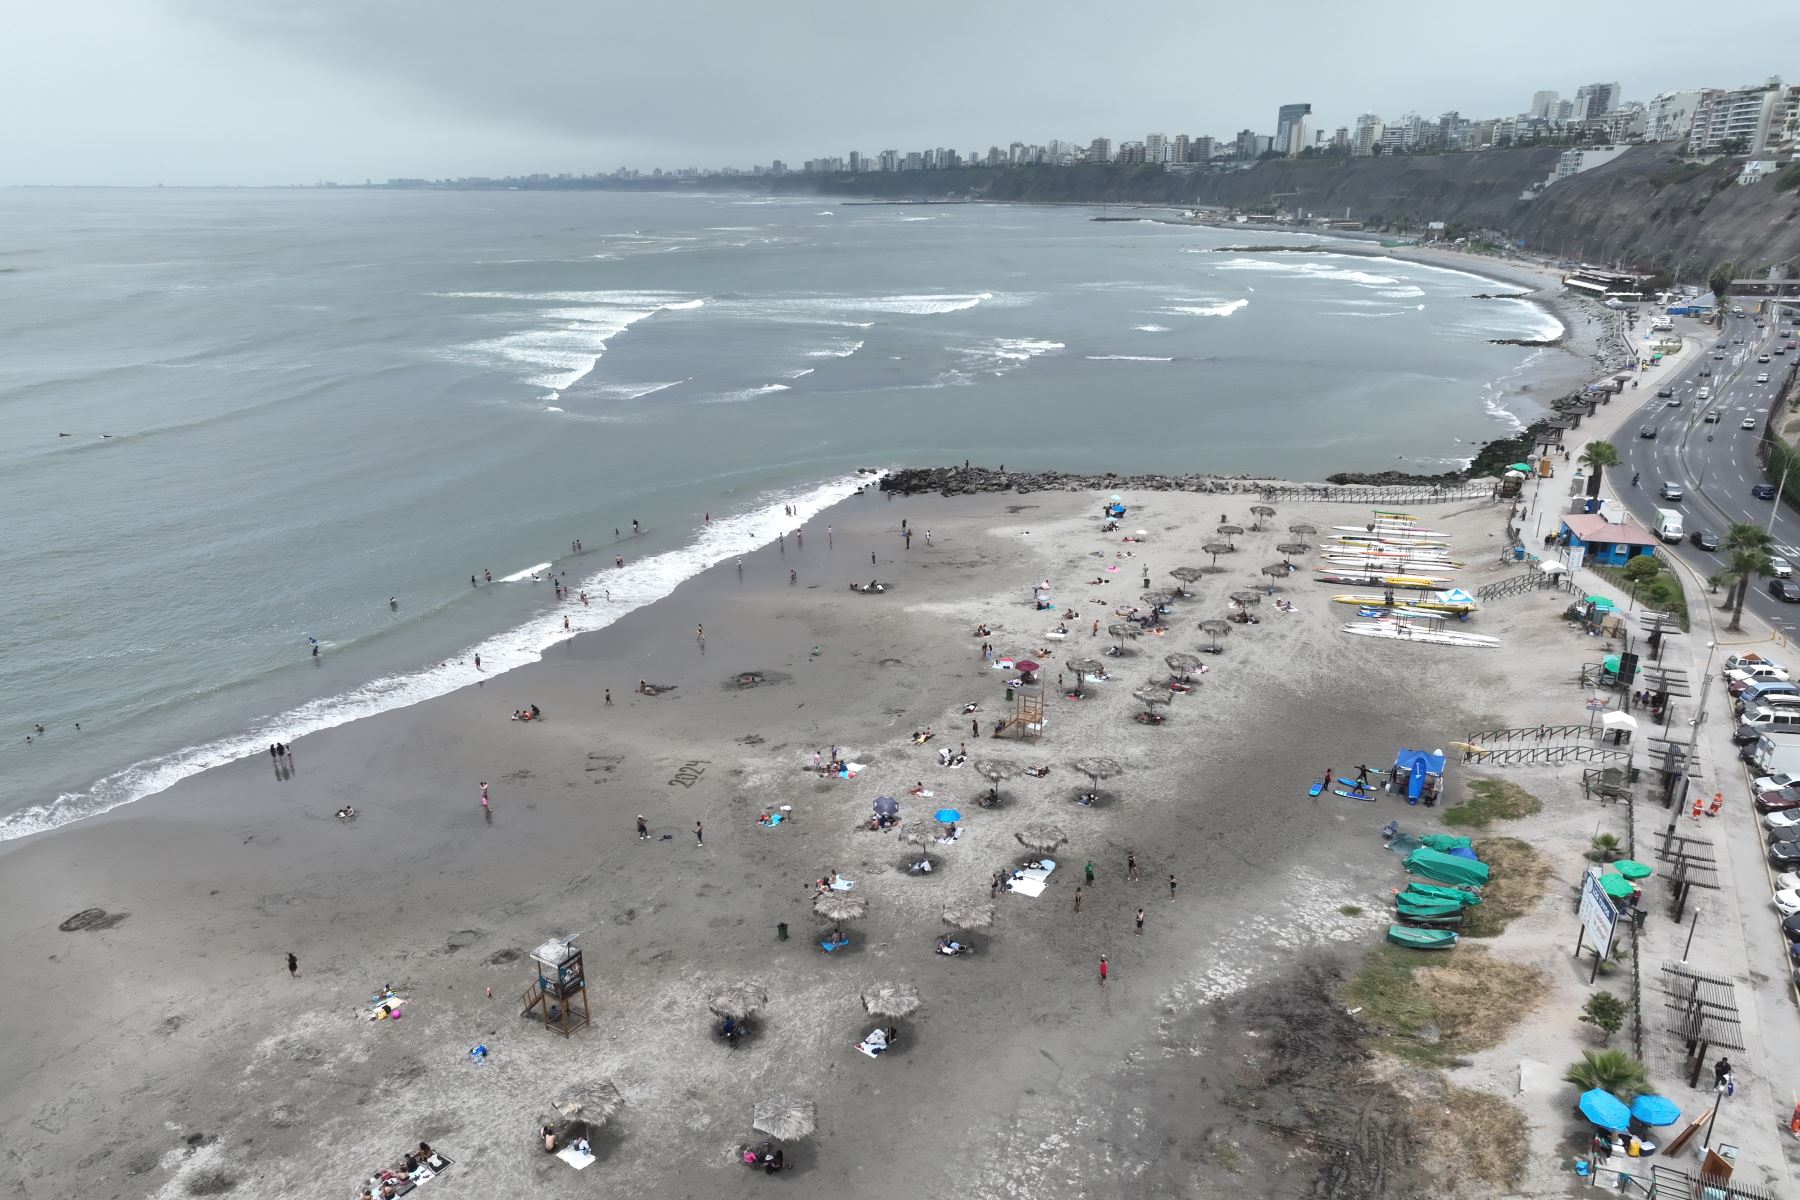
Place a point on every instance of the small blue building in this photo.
(1614, 543)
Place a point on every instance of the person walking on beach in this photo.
(1077, 899)
(975, 727)
(643, 827)
(793, 577)
(293, 966)
(1103, 970)
(484, 795)
(478, 662)
(1095, 631)
(700, 633)
(871, 558)
(1088, 872)
(565, 622)
(473, 582)
(618, 560)
(609, 695)
(699, 835)
(1171, 889)
(1140, 922)
(994, 886)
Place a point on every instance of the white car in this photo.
(1787, 903)
(1782, 820)
(1763, 378)
(1787, 881)
(1780, 568)
(1770, 783)
(1747, 423)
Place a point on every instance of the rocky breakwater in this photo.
(964, 481)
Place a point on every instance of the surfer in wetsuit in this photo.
(1362, 779)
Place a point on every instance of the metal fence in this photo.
(1422, 494)
(1531, 581)
(1552, 755)
(1535, 734)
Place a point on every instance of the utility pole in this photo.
(1687, 764)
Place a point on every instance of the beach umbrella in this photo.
(1604, 1109)
(1026, 666)
(1287, 549)
(784, 1118)
(1122, 630)
(1041, 837)
(1215, 549)
(1631, 868)
(994, 770)
(1183, 662)
(1215, 629)
(1261, 512)
(1150, 694)
(594, 1103)
(1230, 531)
(1278, 570)
(887, 806)
(1159, 598)
(1188, 575)
(1654, 1110)
(1616, 886)
(841, 906)
(1520, 467)
(969, 914)
(1247, 597)
(1303, 529)
(889, 999)
(918, 836)
(1087, 666)
(1097, 769)
(737, 1000)
(946, 816)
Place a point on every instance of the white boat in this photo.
(1411, 633)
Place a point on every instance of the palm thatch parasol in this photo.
(1230, 531)
(1087, 666)
(841, 906)
(1123, 630)
(1150, 694)
(1278, 570)
(995, 769)
(1261, 512)
(1303, 529)
(889, 999)
(737, 1000)
(917, 835)
(1188, 575)
(784, 1118)
(1158, 597)
(1246, 597)
(1287, 549)
(1097, 769)
(1182, 662)
(1217, 548)
(969, 914)
(1042, 838)
(1215, 629)
(593, 1103)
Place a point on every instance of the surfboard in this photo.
(1370, 796)
(1317, 787)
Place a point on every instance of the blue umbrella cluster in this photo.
(1654, 1110)
(1605, 1110)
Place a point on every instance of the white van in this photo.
(1668, 525)
(1758, 721)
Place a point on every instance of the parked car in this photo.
(1779, 800)
(1787, 879)
(1785, 590)
(1763, 491)
(1785, 854)
(1706, 539)
(1782, 820)
(1768, 783)
(1787, 903)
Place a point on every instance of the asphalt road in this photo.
(1717, 475)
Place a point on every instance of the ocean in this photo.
(237, 422)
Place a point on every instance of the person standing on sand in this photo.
(473, 582)
(975, 727)
(699, 835)
(1095, 631)
(1171, 889)
(1140, 922)
(565, 622)
(643, 828)
(700, 633)
(994, 886)
(293, 966)
(478, 662)
(609, 695)
(1325, 783)
(484, 796)
(1088, 871)
(1103, 970)
(1131, 871)
(1077, 899)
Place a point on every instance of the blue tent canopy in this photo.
(1605, 1110)
(1417, 764)
(1654, 1110)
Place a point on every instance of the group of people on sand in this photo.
(529, 713)
(279, 752)
(403, 1175)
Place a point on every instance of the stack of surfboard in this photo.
(1412, 566)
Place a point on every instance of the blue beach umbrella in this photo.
(946, 816)
(1605, 1110)
(1655, 1110)
(887, 806)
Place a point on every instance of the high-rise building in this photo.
(1543, 105)
(1784, 126)
(1669, 117)
(1595, 100)
(1099, 150)
(1565, 111)
(1156, 148)
(1246, 145)
(1203, 149)
(890, 160)
(1341, 139)
(1286, 118)
(1183, 147)
(856, 161)
(1369, 132)
(1739, 120)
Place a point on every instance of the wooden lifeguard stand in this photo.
(560, 988)
(1027, 719)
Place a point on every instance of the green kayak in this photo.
(1445, 842)
(1430, 891)
(1421, 939)
(1429, 910)
(1447, 868)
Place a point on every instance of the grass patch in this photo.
(1482, 1134)
(1661, 592)
(1351, 910)
(1436, 1009)
(1517, 874)
(1491, 800)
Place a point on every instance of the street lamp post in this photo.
(1780, 491)
(1687, 763)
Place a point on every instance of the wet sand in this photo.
(170, 1054)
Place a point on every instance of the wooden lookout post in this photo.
(560, 988)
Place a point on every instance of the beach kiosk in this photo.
(1418, 776)
(560, 987)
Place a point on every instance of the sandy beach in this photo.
(166, 1051)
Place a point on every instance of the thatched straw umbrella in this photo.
(1182, 663)
(593, 1103)
(969, 914)
(1261, 512)
(1303, 529)
(841, 906)
(1278, 570)
(1043, 838)
(1150, 694)
(1289, 549)
(1084, 667)
(1158, 597)
(784, 1118)
(921, 837)
(1097, 769)
(995, 770)
(1246, 597)
(889, 999)
(1122, 630)
(1230, 531)
(738, 1000)
(1215, 549)
(1187, 575)
(1215, 629)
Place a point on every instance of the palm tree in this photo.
(1606, 848)
(1609, 1070)
(1596, 458)
(1740, 570)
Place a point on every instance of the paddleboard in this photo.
(1317, 787)
(1370, 796)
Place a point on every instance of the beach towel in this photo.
(1027, 887)
(387, 1008)
(575, 1158)
(842, 885)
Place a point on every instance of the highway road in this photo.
(1713, 457)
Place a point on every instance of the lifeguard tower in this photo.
(560, 988)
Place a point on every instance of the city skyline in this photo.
(194, 91)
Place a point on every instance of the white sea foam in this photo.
(1151, 328)
(743, 394)
(1314, 269)
(844, 348)
(643, 581)
(1404, 292)
(1126, 358)
(521, 576)
(570, 333)
(801, 373)
(1223, 309)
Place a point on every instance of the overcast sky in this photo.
(296, 91)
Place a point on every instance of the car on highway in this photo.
(1737, 341)
(1706, 371)
(1785, 590)
(1763, 491)
(1705, 393)
(1762, 358)
(1717, 355)
(1664, 392)
(1747, 423)
(1779, 350)
(1648, 431)
(1670, 490)
(1712, 416)
(1763, 377)
(1706, 539)
(1778, 800)
(1718, 345)
(1780, 567)
(1786, 854)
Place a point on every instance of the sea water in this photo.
(234, 423)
